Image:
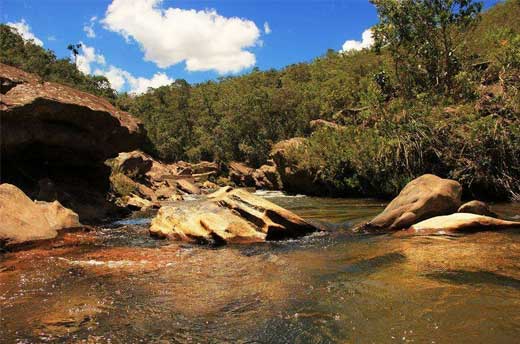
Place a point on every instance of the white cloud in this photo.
(88, 57)
(267, 28)
(204, 39)
(25, 30)
(366, 42)
(89, 27)
(51, 38)
(121, 79)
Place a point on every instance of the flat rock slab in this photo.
(228, 216)
(461, 222)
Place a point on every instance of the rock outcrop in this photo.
(424, 197)
(293, 177)
(476, 207)
(461, 222)
(61, 136)
(23, 220)
(228, 216)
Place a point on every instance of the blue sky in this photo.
(142, 43)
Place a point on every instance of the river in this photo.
(116, 284)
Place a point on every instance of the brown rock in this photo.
(240, 174)
(135, 202)
(228, 216)
(22, 220)
(133, 164)
(461, 222)
(53, 131)
(422, 198)
(476, 207)
(187, 187)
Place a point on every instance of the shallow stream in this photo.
(116, 284)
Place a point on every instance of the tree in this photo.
(74, 48)
(421, 36)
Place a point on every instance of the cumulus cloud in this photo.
(366, 42)
(89, 27)
(88, 57)
(25, 30)
(267, 28)
(121, 79)
(203, 39)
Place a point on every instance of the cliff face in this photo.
(55, 139)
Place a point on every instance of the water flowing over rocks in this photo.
(228, 216)
(424, 197)
(55, 140)
(25, 221)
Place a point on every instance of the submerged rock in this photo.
(476, 207)
(228, 216)
(422, 198)
(23, 220)
(461, 222)
(61, 136)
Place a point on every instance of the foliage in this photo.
(26, 55)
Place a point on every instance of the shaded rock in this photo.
(133, 164)
(476, 207)
(23, 220)
(241, 175)
(187, 187)
(165, 192)
(53, 131)
(204, 167)
(270, 178)
(228, 216)
(295, 178)
(422, 198)
(461, 222)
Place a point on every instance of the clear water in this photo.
(118, 285)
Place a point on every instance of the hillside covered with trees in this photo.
(444, 100)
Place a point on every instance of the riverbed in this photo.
(116, 284)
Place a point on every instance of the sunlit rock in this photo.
(462, 222)
(422, 198)
(228, 216)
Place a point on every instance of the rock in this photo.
(58, 216)
(187, 187)
(228, 216)
(476, 207)
(293, 177)
(51, 131)
(209, 185)
(23, 220)
(267, 177)
(135, 202)
(241, 175)
(204, 167)
(133, 164)
(459, 222)
(422, 198)
(165, 192)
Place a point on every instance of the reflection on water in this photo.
(117, 284)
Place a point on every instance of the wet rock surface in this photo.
(228, 216)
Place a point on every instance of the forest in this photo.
(439, 92)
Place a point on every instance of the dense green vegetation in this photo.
(439, 93)
(26, 55)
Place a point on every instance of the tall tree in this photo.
(421, 36)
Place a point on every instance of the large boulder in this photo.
(461, 222)
(241, 175)
(56, 133)
(424, 197)
(22, 220)
(228, 216)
